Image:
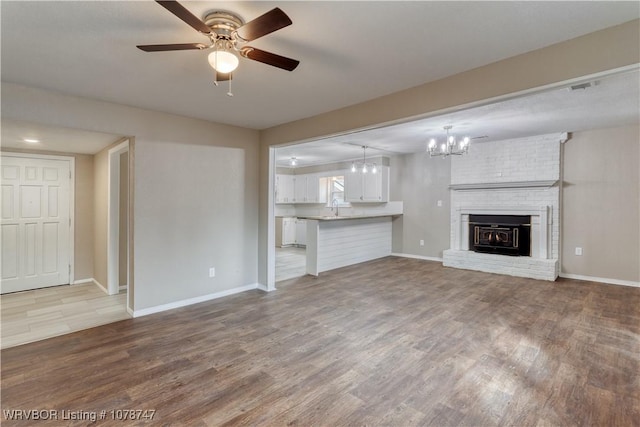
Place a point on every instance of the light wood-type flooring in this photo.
(43, 313)
(393, 342)
(291, 261)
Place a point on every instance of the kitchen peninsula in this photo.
(339, 241)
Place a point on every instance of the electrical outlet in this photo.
(421, 242)
(212, 272)
(439, 203)
(579, 251)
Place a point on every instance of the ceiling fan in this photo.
(227, 33)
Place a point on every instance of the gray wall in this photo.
(420, 181)
(195, 192)
(100, 219)
(601, 198)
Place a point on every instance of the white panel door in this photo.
(35, 224)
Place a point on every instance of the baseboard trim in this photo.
(263, 287)
(190, 301)
(91, 280)
(601, 280)
(426, 258)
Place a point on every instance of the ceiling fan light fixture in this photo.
(223, 61)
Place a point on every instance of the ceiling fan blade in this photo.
(270, 58)
(271, 21)
(168, 47)
(181, 12)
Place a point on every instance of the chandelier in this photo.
(363, 166)
(450, 147)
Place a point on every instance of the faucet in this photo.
(334, 203)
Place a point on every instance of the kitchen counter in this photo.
(334, 242)
(336, 218)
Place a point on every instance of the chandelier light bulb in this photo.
(222, 61)
(364, 168)
(293, 161)
(374, 169)
(450, 146)
(353, 167)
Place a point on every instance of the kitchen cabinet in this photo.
(307, 188)
(285, 189)
(367, 187)
(285, 231)
(300, 189)
(301, 232)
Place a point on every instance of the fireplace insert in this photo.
(500, 234)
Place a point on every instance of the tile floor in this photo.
(44, 313)
(291, 262)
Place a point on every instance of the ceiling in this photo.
(52, 138)
(349, 51)
(611, 101)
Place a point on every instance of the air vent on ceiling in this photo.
(582, 86)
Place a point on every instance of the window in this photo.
(335, 190)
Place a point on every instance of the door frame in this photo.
(72, 198)
(113, 219)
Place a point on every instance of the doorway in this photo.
(118, 220)
(37, 221)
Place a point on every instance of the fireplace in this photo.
(500, 234)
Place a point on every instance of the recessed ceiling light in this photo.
(31, 140)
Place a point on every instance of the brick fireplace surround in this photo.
(510, 177)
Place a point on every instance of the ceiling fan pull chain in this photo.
(230, 78)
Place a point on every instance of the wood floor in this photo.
(43, 313)
(394, 342)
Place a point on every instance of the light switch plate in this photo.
(579, 251)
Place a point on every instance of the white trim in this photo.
(503, 185)
(264, 288)
(540, 229)
(190, 301)
(72, 220)
(130, 311)
(601, 280)
(91, 280)
(426, 258)
(113, 215)
(271, 223)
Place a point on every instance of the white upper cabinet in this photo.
(284, 189)
(367, 187)
(306, 188)
(300, 189)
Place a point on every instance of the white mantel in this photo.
(540, 225)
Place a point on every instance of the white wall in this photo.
(195, 197)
